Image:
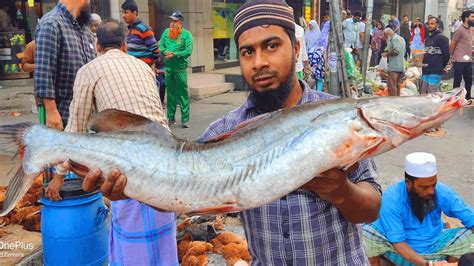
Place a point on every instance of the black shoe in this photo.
(185, 125)
(171, 122)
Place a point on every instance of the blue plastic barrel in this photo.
(74, 230)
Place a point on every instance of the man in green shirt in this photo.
(176, 44)
(395, 53)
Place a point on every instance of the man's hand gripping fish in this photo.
(261, 161)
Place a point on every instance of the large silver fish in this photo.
(262, 161)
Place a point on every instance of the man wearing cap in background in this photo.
(176, 44)
(410, 230)
(141, 42)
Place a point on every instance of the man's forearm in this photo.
(392, 53)
(27, 67)
(361, 203)
(452, 47)
(408, 253)
(49, 104)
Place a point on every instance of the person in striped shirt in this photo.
(141, 41)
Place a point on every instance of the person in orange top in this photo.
(28, 61)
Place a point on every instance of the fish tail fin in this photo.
(11, 138)
(11, 142)
(17, 187)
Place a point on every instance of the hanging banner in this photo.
(31, 3)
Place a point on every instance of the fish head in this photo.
(403, 118)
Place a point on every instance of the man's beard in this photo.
(471, 23)
(84, 17)
(272, 99)
(173, 33)
(420, 206)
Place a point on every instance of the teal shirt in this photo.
(396, 63)
(398, 223)
(182, 47)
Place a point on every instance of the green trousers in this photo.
(177, 93)
(42, 114)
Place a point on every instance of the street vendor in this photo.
(410, 230)
(395, 56)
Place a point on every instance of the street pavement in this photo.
(454, 151)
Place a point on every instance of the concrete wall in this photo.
(452, 10)
(431, 8)
(448, 9)
(443, 11)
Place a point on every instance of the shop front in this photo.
(413, 9)
(18, 19)
(225, 50)
(223, 12)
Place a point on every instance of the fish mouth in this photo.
(455, 99)
(449, 102)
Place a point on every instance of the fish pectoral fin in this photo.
(224, 208)
(375, 142)
(78, 169)
(17, 187)
(82, 171)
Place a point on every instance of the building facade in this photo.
(209, 21)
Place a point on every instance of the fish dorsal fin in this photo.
(116, 120)
(113, 120)
(243, 125)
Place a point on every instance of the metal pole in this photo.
(336, 27)
(365, 52)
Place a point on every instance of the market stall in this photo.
(12, 44)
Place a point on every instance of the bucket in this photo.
(74, 230)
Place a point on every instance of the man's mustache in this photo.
(264, 74)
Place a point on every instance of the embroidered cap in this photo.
(256, 13)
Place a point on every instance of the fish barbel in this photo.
(256, 164)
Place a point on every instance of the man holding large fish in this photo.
(311, 226)
(280, 166)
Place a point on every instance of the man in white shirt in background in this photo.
(361, 40)
(301, 64)
(350, 32)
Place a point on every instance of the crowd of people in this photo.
(397, 42)
(82, 68)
